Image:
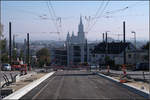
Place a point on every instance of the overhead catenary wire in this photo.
(123, 9)
(118, 10)
(105, 6)
(57, 19)
(55, 24)
(90, 18)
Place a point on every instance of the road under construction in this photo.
(79, 84)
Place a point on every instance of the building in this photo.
(77, 46)
(138, 56)
(59, 56)
(114, 51)
(76, 50)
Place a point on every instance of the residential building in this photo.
(114, 51)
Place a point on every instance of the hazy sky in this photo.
(39, 18)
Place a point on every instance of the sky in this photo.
(44, 19)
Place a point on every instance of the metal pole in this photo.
(135, 45)
(10, 55)
(103, 37)
(135, 48)
(28, 55)
(86, 51)
(106, 49)
(124, 40)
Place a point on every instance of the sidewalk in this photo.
(23, 87)
(18, 77)
(22, 81)
(138, 84)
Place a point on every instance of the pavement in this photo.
(79, 85)
(137, 75)
(8, 74)
(14, 73)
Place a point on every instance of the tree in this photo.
(146, 47)
(4, 58)
(4, 52)
(3, 45)
(21, 55)
(14, 56)
(43, 56)
(1, 29)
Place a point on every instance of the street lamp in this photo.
(134, 44)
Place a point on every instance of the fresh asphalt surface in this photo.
(79, 85)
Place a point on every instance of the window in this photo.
(129, 55)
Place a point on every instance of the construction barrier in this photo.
(23, 69)
(123, 78)
(108, 68)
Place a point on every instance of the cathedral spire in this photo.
(80, 19)
(80, 29)
(72, 33)
(68, 36)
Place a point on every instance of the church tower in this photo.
(81, 30)
(68, 37)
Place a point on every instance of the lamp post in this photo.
(106, 47)
(134, 44)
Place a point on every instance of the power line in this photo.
(52, 17)
(57, 19)
(100, 7)
(118, 10)
(89, 19)
(99, 15)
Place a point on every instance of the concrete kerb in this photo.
(134, 89)
(21, 92)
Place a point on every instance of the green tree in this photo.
(43, 56)
(146, 46)
(4, 58)
(3, 45)
(4, 52)
(21, 55)
(14, 56)
(1, 29)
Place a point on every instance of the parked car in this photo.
(142, 66)
(6, 67)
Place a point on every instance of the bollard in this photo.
(123, 78)
(108, 69)
(124, 69)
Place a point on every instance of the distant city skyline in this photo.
(37, 18)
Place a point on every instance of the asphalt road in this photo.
(79, 85)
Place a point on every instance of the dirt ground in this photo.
(18, 85)
(138, 84)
